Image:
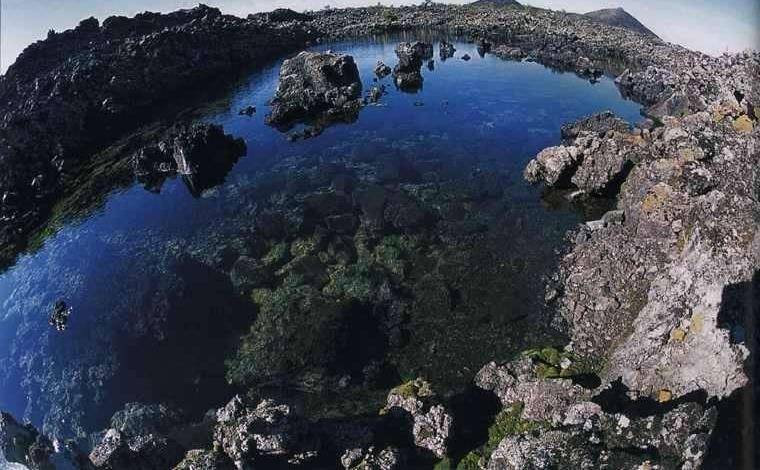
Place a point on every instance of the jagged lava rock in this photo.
(314, 84)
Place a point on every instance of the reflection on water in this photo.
(146, 275)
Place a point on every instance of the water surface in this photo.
(154, 314)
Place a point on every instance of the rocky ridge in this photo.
(648, 294)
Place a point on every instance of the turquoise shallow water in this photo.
(152, 320)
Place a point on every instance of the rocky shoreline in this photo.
(655, 297)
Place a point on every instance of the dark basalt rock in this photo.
(316, 85)
(248, 111)
(407, 72)
(283, 15)
(23, 444)
(382, 70)
(70, 94)
(201, 153)
(446, 50)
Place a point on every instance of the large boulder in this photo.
(316, 85)
(407, 72)
(597, 154)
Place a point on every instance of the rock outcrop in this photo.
(548, 421)
(372, 459)
(407, 72)
(322, 86)
(246, 433)
(430, 420)
(597, 155)
(202, 154)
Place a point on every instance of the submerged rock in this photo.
(60, 317)
(200, 459)
(248, 111)
(316, 85)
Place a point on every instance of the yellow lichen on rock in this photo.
(697, 322)
(678, 335)
(657, 197)
(744, 124)
(664, 395)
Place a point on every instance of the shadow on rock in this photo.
(734, 443)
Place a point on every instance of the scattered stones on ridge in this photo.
(316, 85)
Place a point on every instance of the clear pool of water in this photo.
(153, 317)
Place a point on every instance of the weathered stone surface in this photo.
(205, 460)
(543, 400)
(372, 459)
(553, 166)
(560, 426)
(431, 422)
(598, 124)
(597, 155)
(269, 429)
(138, 439)
(316, 85)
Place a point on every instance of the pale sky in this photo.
(709, 26)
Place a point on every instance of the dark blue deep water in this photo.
(152, 320)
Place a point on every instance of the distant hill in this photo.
(619, 17)
(496, 3)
